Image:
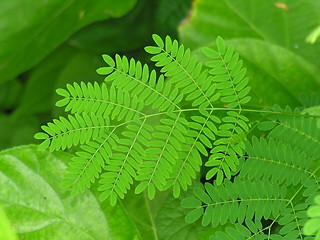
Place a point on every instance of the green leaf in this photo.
(30, 185)
(141, 187)
(237, 15)
(194, 215)
(163, 217)
(313, 36)
(10, 94)
(7, 232)
(209, 52)
(202, 195)
(79, 68)
(272, 53)
(135, 23)
(152, 50)
(108, 60)
(191, 203)
(312, 226)
(220, 45)
(315, 110)
(157, 39)
(14, 130)
(266, 125)
(32, 36)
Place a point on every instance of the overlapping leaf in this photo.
(239, 201)
(133, 126)
(277, 161)
(287, 123)
(231, 82)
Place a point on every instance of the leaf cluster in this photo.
(277, 182)
(134, 127)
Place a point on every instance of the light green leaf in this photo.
(33, 199)
(315, 110)
(312, 226)
(27, 36)
(194, 215)
(313, 36)
(80, 68)
(6, 228)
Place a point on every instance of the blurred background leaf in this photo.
(6, 228)
(32, 29)
(47, 44)
(39, 208)
(59, 42)
(270, 37)
(163, 217)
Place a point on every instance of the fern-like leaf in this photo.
(277, 161)
(87, 165)
(292, 123)
(235, 202)
(125, 161)
(100, 100)
(131, 76)
(77, 129)
(156, 168)
(145, 133)
(231, 82)
(240, 232)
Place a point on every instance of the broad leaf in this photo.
(280, 63)
(39, 208)
(6, 228)
(164, 218)
(14, 130)
(39, 89)
(32, 29)
(147, 17)
(286, 25)
(10, 94)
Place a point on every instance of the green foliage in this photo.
(280, 63)
(39, 208)
(136, 128)
(178, 122)
(277, 181)
(37, 34)
(299, 131)
(312, 226)
(162, 218)
(238, 201)
(275, 157)
(6, 230)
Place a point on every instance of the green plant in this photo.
(277, 181)
(6, 230)
(136, 128)
(312, 226)
(272, 185)
(159, 130)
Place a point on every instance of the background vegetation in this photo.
(47, 44)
